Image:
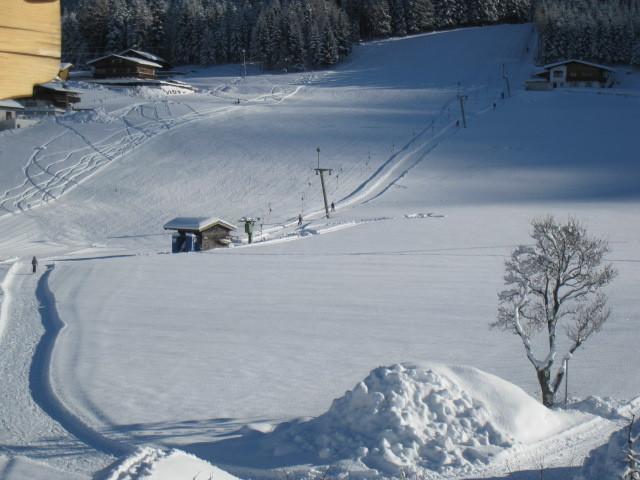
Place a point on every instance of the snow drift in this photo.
(408, 417)
(153, 464)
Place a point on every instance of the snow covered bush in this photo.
(555, 282)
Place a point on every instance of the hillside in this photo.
(145, 349)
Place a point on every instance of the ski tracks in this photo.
(49, 176)
(26, 428)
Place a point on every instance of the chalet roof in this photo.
(129, 59)
(57, 87)
(147, 55)
(197, 224)
(10, 105)
(572, 60)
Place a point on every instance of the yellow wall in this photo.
(29, 45)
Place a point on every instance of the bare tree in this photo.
(555, 281)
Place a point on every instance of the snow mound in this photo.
(153, 464)
(407, 417)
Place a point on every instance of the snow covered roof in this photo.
(10, 104)
(130, 59)
(56, 87)
(64, 66)
(147, 55)
(572, 60)
(197, 224)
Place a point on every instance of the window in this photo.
(557, 74)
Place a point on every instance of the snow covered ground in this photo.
(139, 349)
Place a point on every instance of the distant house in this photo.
(9, 110)
(571, 73)
(52, 93)
(65, 68)
(199, 233)
(119, 66)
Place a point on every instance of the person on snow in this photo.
(300, 220)
(333, 207)
(34, 264)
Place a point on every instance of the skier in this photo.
(34, 264)
(300, 220)
(333, 207)
(457, 123)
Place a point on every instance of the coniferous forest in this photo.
(595, 30)
(295, 34)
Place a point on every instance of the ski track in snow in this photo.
(79, 164)
(43, 392)
(26, 425)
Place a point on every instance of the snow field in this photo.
(188, 350)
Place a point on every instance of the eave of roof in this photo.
(148, 55)
(129, 59)
(196, 224)
(11, 104)
(56, 87)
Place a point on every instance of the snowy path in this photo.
(25, 429)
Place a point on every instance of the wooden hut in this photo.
(118, 66)
(572, 73)
(199, 233)
(53, 93)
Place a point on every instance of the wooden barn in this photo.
(119, 66)
(53, 93)
(199, 233)
(572, 73)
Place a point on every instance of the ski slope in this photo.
(182, 351)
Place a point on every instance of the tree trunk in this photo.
(548, 393)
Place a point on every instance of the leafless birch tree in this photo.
(556, 282)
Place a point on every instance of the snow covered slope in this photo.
(184, 350)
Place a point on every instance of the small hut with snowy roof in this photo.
(199, 233)
(117, 66)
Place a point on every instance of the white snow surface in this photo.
(433, 417)
(205, 351)
(154, 464)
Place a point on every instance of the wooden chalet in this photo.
(192, 234)
(119, 66)
(572, 73)
(53, 93)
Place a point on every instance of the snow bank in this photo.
(153, 464)
(408, 417)
(608, 461)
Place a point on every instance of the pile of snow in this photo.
(153, 464)
(407, 417)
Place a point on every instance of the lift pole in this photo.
(462, 98)
(320, 171)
